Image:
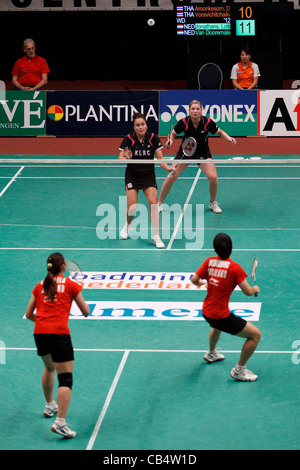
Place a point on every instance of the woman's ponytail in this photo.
(54, 265)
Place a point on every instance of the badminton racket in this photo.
(75, 271)
(189, 147)
(253, 273)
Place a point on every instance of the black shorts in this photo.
(145, 182)
(203, 156)
(231, 324)
(59, 346)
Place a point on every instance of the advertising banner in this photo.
(233, 111)
(99, 113)
(139, 280)
(22, 113)
(145, 310)
(279, 113)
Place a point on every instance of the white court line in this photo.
(11, 181)
(157, 177)
(193, 351)
(112, 161)
(107, 401)
(184, 209)
(82, 227)
(141, 249)
(115, 166)
(66, 177)
(258, 177)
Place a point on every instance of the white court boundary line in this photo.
(157, 177)
(114, 161)
(11, 181)
(121, 368)
(107, 401)
(140, 249)
(82, 227)
(184, 209)
(187, 351)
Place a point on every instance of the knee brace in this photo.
(65, 380)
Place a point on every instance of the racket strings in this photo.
(75, 272)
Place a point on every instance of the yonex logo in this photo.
(219, 113)
(190, 146)
(179, 111)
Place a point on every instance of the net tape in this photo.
(228, 161)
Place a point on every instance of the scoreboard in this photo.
(233, 19)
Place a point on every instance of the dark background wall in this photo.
(107, 45)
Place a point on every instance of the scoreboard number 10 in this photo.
(246, 25)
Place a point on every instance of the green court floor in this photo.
(140, 382)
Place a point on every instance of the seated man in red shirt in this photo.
(223, 275)
(30, 72)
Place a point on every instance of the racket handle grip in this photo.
(171, 173)
(256, 294)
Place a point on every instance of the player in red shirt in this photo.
(52, 299)
(222, 276)
(30, 72)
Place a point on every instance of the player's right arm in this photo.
(247, 289)
(125, 154)
(82, 305)
(197, 281)
(172, 136)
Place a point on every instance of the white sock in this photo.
(60, 421)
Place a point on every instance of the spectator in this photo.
(244, 74)
(30, 72)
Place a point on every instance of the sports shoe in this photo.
(214, 206)
(50, 410)
(125, 231)
(158, 242)
(63, 430)
(213, 356)
(243, 375)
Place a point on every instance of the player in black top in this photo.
(142, 145)
(197, 126)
